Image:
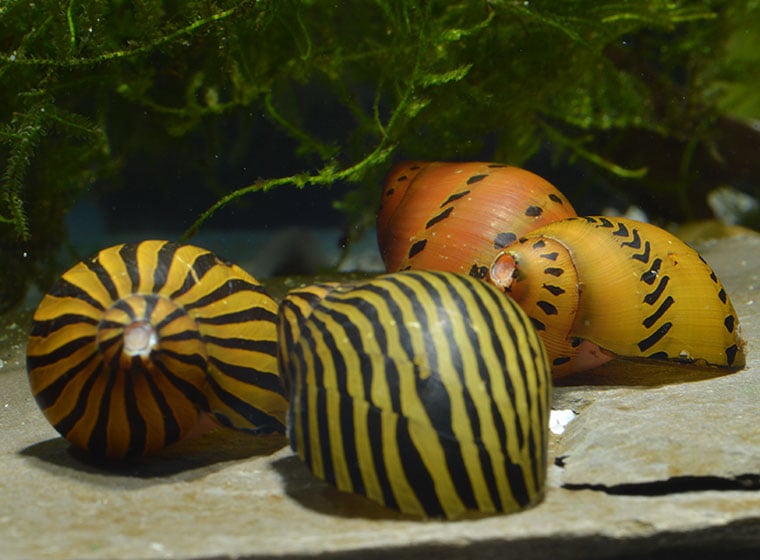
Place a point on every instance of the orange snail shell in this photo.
(455, 216)
(596, 287)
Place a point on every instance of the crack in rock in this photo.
(674, 485)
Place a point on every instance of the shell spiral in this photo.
(455, 216)
(428, 392)
(597, 287)
(130, 348)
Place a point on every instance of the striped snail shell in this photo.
(598, 287)
(132, 347)
(455, 216)
(428, 392)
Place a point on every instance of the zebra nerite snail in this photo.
(130, 348)
(428, 392)
(455, 216)
(596, 287)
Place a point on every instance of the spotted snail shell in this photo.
(428, 392)
(455, 216)
(131, 347)
(595, 287)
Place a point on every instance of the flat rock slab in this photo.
(646, 468)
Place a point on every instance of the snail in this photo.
(132, 348)
(455, 216)
(427, 392)
(598, 287)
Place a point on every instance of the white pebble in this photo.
(559, 419)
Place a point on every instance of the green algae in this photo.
(609, 86)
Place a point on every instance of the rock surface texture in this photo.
(656, 461)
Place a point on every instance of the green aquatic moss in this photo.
(85, 84)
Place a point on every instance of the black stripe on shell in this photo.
(654, 317)
(442, 216)
(330, 337)
(454, 197)
(655, 337)
(652, 297)
(476, 178)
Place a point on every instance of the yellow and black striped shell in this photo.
(455, 216)
(131, 347)
(428, 392)
(598, 287)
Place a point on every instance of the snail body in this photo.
(131, 348)
(455, 216)
(428, 392)
(598, 287)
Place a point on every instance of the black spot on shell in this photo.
(479, 272)
(722, 295)
(538, 325)
(402, 178)
(497, 165)
(555, 198)
(476, 178)
(503, 239)
(729, 321)
(547, 307)
(731, 352)
(561, 360)
(554, 271)
(534, 211)
(553, 290)
(417, 247)
(389, 192)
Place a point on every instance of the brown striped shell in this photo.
(456, 216)
(132, 348)
(598, 287)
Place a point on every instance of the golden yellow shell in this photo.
(455, 216)
(428, 392)
(131, 347)
(595, 287)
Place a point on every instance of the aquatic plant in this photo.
(646, 97)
